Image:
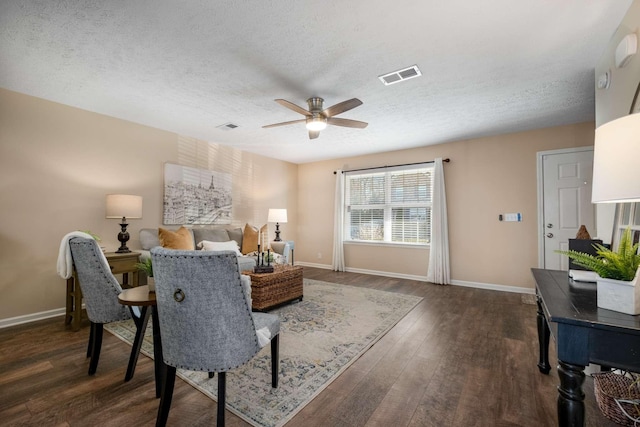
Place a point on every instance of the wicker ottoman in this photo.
(272, 289)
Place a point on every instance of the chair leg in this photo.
(275, 361)
(91, 336)
(141, 327)
(222, 393)
(167, 395)
(96, 347)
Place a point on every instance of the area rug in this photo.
(319, 338)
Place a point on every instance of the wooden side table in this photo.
(120, 263)
(278, 247)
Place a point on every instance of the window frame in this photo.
(388, 206)
(631, 211)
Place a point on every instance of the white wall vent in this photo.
(227, 126)
(400, 75)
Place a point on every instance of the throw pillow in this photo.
(253, 236)
(235, 234)
(231, 245)
(180, 239)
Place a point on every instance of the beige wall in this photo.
(486, 177)
(58, 163)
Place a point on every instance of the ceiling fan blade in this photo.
(285, 123)
(292, 106)
(313, 134)
(346, 123)
(341, 107)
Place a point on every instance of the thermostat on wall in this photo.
(510, 217)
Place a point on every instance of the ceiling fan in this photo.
(318, 118)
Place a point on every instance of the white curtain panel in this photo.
(439, 270)
(338, 224)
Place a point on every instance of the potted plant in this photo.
(618, 274)
(147, 267)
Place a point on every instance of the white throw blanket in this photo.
(65, 262)
(264, 336)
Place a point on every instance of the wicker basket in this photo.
(271, 289)
(618, 397)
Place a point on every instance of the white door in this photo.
(566, 198)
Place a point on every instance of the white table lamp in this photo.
(124, 206)
(616, 161)
(278, 216)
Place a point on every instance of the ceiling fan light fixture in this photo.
(316, 118)
(316, 123)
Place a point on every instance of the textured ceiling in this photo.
(489, 66)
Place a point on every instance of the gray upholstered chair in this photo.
(206, 323)
(100, 291)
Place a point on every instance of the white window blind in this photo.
(389, 205)
(627, 216)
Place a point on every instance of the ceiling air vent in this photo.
(400, 75)
(227, 126)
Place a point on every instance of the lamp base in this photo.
(123, 237)
(277, 239)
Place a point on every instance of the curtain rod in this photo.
(447, 160)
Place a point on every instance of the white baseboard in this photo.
(27, 318)
(387, 274)
(478, 285)
(492, 287)
(311, 264)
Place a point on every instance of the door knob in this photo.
(549, 235)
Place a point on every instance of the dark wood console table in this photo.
(584, 334)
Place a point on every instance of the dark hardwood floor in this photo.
(462, 357)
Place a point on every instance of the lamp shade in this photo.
(616, 173)
(124, 205)
(277, 215)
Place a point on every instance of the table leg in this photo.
(74, 303)
(570, 395)
(141, 327)
(158, 360)
(543, 340)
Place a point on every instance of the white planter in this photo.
(618, 295)
(152, 284)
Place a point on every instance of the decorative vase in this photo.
(152, 284)
(619, 295)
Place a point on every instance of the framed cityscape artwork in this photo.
(196, 196)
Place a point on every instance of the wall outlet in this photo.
(319, 255)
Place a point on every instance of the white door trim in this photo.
(540, 154)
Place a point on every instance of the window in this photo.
(627, 216)
(389, 206)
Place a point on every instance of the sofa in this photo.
(215, 233)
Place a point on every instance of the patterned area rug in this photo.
(319, 338)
